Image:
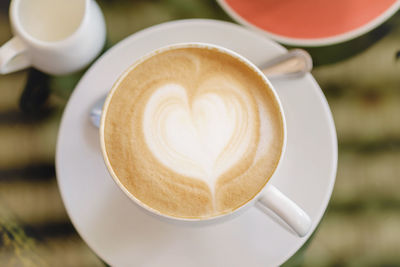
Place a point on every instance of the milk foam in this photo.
(193, 132)
(201, 137)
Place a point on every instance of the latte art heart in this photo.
(192, 132)
(201, 137)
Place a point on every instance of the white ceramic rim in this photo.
(325, 41)
(189, 220)
(21, 32)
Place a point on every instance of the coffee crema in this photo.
(193, 132)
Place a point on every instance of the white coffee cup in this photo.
(268, 199)
(54, 36)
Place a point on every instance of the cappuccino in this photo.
(192, 132)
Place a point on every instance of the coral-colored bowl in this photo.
(311, 22)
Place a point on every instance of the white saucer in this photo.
(122, 235)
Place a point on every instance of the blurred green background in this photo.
(360, 78)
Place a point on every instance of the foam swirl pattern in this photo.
(193, 132)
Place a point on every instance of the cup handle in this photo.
(286, 209)
(13, 56)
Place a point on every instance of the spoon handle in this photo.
(294, 63)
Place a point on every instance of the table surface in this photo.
(360, 78)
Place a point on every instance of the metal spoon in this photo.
(295, 63)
